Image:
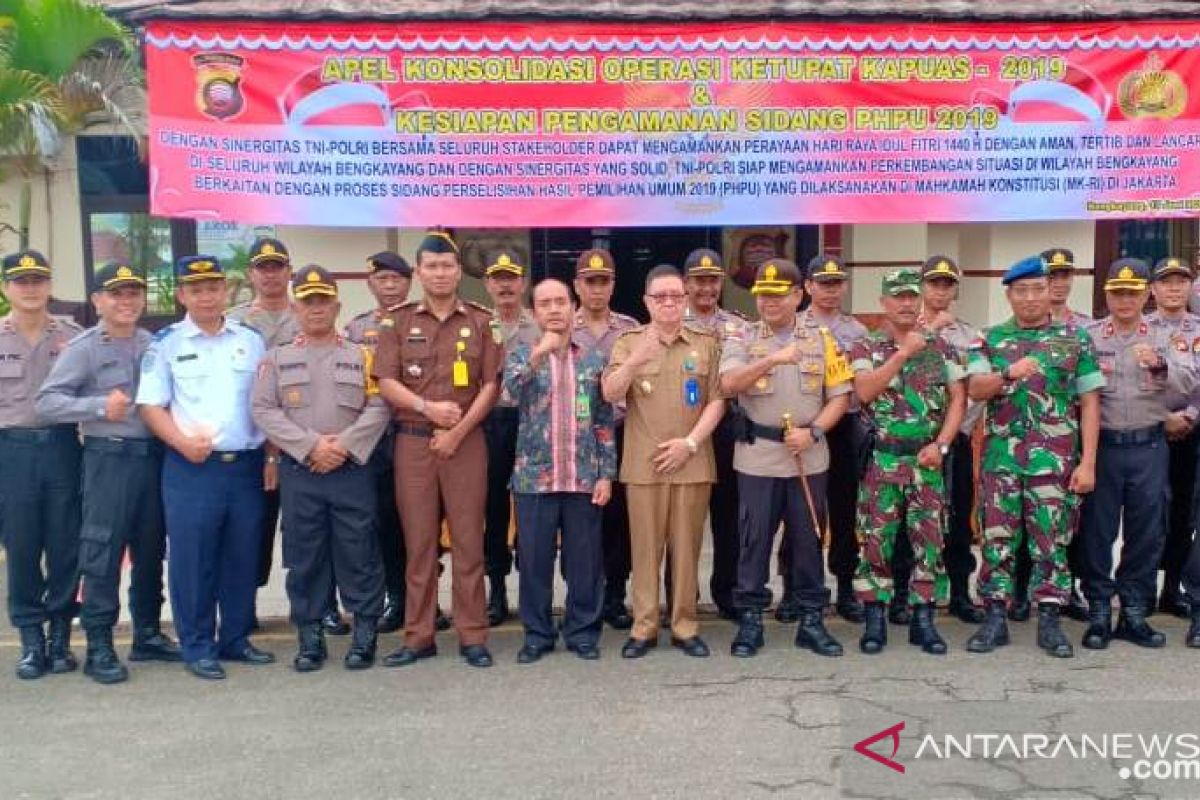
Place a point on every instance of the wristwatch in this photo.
(944, 449)
(1006, 375)
(818, 433)
(272, 459)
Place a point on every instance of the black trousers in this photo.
(266, 550)
(764, 503)
(540, 519)
(723, 516)
(329, 538)
(500, 432)
(842, 496)
(960, 562)
(39, 522)
(391, 535)
(615, 526)
(122, 510)
(1180, 518)
(1131, 486)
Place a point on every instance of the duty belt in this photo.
(117, 444)
(899, 447)
(38, 435)
(1153, 433)
(765, 431)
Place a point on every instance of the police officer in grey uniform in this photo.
(39, 473)
(389, 278)
(315, 401)
(704, 279)
(1146, 375)
(94, 383)
(1171, 284)
(781, 372)
(511, 324)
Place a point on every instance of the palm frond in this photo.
(31, 115)
(106, 85)
(54, 35)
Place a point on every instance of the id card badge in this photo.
(691, 392)
(459, 376)
(583, 407)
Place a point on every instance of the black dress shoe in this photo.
(151, 644)
(585, 650)
(636, 648)
(441, 621)
(618, 617)
(476, 655)
(208, 668)
(497, 602)
(694, 646)
(392, 618)
(250, 655)
(406, 655)
(962, 607)
(532, 653)
(1020, 610)
(334, 625)
(1192, 639)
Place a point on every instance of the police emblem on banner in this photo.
(219, 84)
(1152, 92)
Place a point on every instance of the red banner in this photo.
(598, 125)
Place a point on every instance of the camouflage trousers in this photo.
(1038, 513)
(883, 506)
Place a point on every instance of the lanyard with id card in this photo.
(691, 385)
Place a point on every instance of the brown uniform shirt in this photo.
(304, 391)
(24, 367)
(419, 351)
(658, 409)
(799, 389)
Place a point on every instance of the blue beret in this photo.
(1031, 267)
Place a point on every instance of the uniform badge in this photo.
(414, 370)
(464, 332)
(1196, 345)
(497, 333)
(414, 331)
(761, 384)
(1181, 345)
(387, 322)
(293, 397)
(647, 387)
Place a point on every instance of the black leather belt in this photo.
(415, 429)
(39, 435)
(117, 444)
(899, 447)
(231, 456)
(765, 431)
(1153, 433)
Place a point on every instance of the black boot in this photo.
(362, 646)
(393, 614)
(101, 663)
(1172, 603)
(848, 606)
(312, 653)
(1050, 636)
(749, 637)
(1077, 607)
(58, 648)
(788, 610)
(961, 605)
(993, 632)
(874, 637)
(1099, 630)
(924, 633)
(333, 624)
(811, 634)
(898, 610)
(615, 613)
(1132, 627)
(497, 606)
(1193, 633)
(33, 663)
(151, 644)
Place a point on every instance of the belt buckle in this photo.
(228, 458)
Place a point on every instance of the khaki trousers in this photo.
(662, 516)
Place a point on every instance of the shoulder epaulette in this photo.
(79, 337)
(478, 307)
(164, 332)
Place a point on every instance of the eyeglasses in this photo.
(667, 297)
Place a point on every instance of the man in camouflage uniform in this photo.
(389, 278)
(910, 383)
(1146, 374)
(1171, 284)
(1040, 380)
(704, 277)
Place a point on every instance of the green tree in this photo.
(64, 65)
